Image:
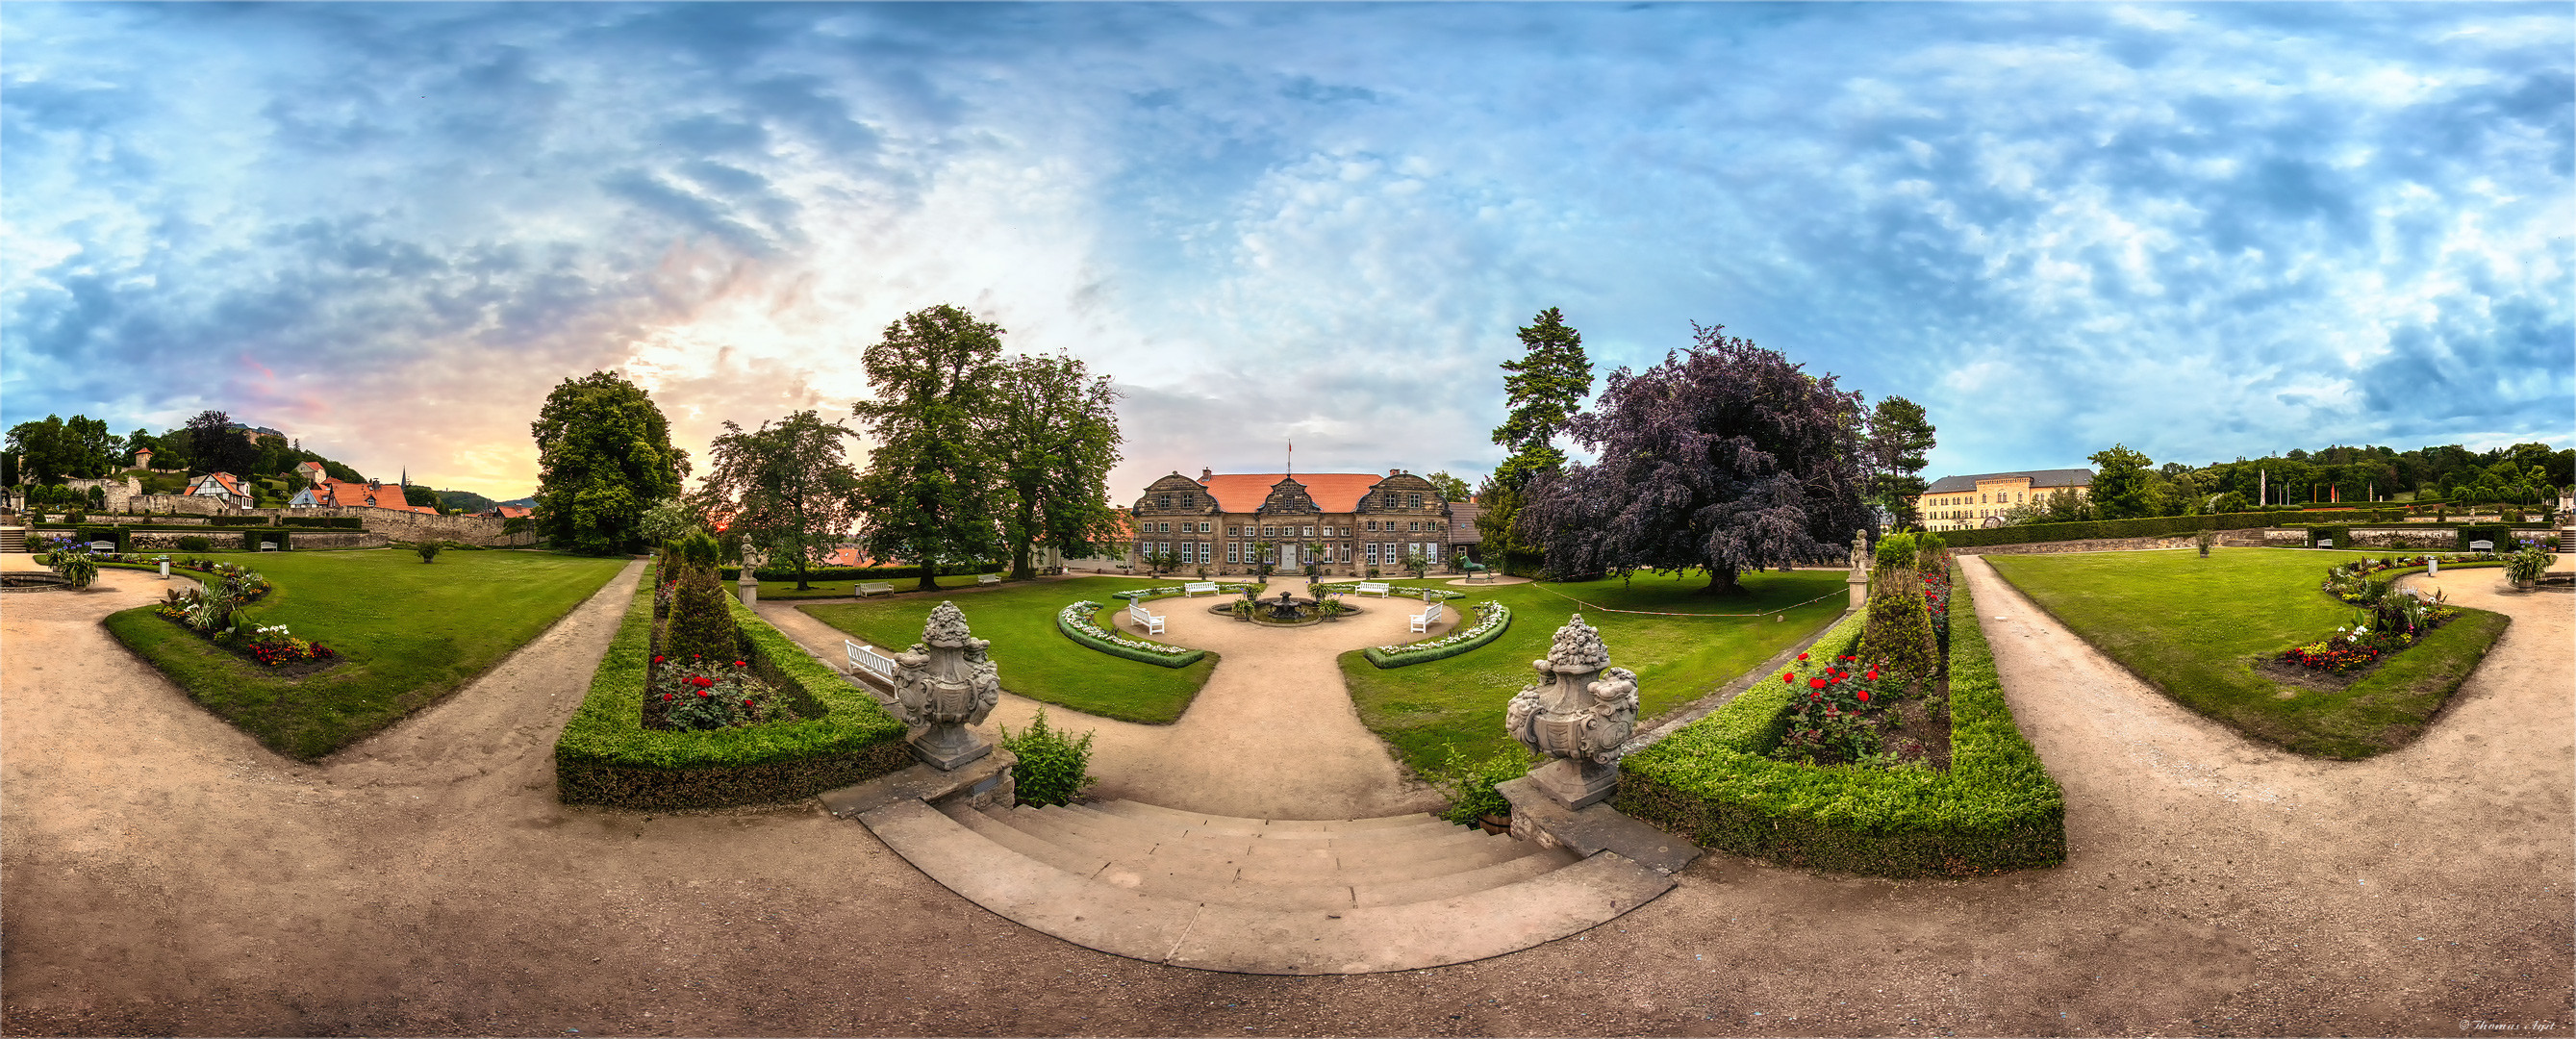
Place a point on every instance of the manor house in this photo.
(1961, 502)
(1346, 522)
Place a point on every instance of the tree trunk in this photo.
(929, 570)
(802, 574)
(1721, 581)
(1020, 567)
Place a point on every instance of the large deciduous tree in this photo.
(1725, 457)
(215, 447)
(604, 455)
(2121, 488)
(928, 492)
(786, 487)
(1900, 441)
(1053, 433)
(1547, 382)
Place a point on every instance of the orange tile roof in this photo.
(1333, 492)
(344, 494)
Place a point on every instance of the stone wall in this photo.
(185, 504)
(394, 524)
(229, 538)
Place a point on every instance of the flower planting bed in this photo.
(819, 731)
(1492, 619)
(1717, 781)
(1080, 622)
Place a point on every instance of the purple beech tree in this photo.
(1725, 457)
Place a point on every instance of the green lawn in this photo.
(786, 590)
(1421, 708)
(2195, 627)
(1038, 662)
(411, 634)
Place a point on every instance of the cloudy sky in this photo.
(2201, 230)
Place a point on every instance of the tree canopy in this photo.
(604, 455)
(1545, 385)
(55, 449)
(1053, 434)
(1727, 456)
(928, 492)
(785, 488)
(1899, 445)
(1451, 487)
(2120, 486)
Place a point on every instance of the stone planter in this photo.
(1494, 824)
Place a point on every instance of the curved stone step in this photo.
(1533, 896)
(1202, 867)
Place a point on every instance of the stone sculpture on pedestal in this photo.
(1580, 716)
(943, 684)
(1860, 567)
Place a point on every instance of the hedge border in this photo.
(605, 756)
(1088, 641)
(855, 573)
(1407, 658)
(2159, 526)
(1996, 809)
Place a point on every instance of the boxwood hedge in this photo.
(1116, 650)
(606, 756)
(1407, 656)
(1996, 809)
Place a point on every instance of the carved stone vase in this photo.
(943, 684)
(1579, 714)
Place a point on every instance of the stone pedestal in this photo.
(943, 684)
(749, 589)
(1581, 715)
(1576, 782)
(1859, 583)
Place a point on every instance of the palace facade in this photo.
(1230, 523)
(1961, 502)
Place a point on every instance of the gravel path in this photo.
(165, 874)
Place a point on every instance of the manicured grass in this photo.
(1037, 661)
(411, 633)
(2195, 628)
(1421, 709)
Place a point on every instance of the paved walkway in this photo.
(1273, 735)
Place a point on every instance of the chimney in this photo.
(1395, 472)
(1206, 474)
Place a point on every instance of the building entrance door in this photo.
(1288, 554)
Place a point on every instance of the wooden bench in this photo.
(1423, 621)
(1144, 618)
(1376, 588)
(865, 659)
(874, 588)
(988, 579)
(1195, 587)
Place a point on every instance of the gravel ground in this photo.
(164, 874)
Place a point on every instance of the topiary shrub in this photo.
(196, 543)
(1899, 635)
(697, 548)
(700, 626)
(428, 551)
(1896, 550)
(1052, 767)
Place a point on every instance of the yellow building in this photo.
(1961, 502)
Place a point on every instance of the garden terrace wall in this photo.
(606, 756)
(1995, 809)
(394, 524)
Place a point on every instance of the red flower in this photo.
(1873, 674)
(1815, 683)
(746, 703)
(701, 681)
(1802, 656)
(703, 694)
(658, 660)
(738, 663)
(1786, 678)
(667, 696)
(1864, 696)
(1815, 696)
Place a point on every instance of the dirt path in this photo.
(165, 874)
(1273, 735)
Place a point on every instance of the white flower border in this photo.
(1078, 617)
(1140, 594)
(1400, 592)
(1489, 615)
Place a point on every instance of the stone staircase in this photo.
(1262, 896)
(13, 539)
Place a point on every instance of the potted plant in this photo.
(2205, 539)
(2525, 567)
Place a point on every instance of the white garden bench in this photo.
(2482, 546)
(867, 659)
(1423, 621)
(2325, 542)
(1144, 618)
(874, 588)
(1195, 587)
(102, 546)
(988, 578)
(1376, 588)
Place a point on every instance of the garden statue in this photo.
(943, 684)
(1579, 718)
(1860, 566)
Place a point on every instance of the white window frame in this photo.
(1233, 549)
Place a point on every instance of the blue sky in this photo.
(2204, 231)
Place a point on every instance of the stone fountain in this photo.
(1579, 716)
(943, 684)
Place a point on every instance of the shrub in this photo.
(2526, 565)
(1052, 767)
(1470, 786)
(1896, 549)
(428, 551)
(77, 568)
(196, 543)
(696, 549)
(700, 625)
(1899, 632)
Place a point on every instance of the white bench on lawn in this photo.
(1195, 587)
(102, 546)
(2481, 546)
(1376, 588)
(1144, 618)
(874, 588)
(988, 578)
(867, 659)
(1423, 621)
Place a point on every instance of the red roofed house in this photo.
(312, 473)
(1359, 520)
(224, 486)
(344, 494)
(510, 511)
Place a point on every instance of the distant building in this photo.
(346, 494)
(1962, 502)
(1345, 522)
(224, 487)
(143, 458)
(311, 472)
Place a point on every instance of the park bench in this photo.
(1473, 568)
(2482, 546)
(1376, 588)
(988, 579)
(867, 659)
(102, 546)
(874, 588)
(2325, 543)
(1423, 621)
(1195, 587)
(1144, 618)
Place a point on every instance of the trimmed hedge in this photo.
(1116, 650)
(1996, 809)
(250, 539)
(1408, 657)
(237, 521)
(2156, 526)
(856, 573)
(606, 756)
(325, 522)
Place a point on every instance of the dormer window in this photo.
(1413, 501)
(1164, 502)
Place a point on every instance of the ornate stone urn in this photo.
(943, 684)
(1580, 715)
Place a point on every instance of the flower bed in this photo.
(1150, 594)
(1075, 622)
(1492, 619)
(607, 757)
(1408, 592)
(1714, 783)
(212, 609)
